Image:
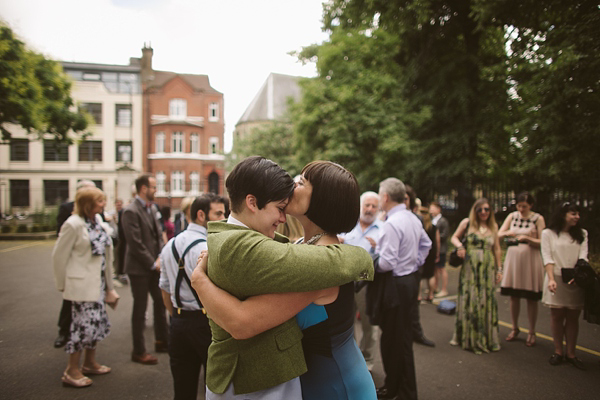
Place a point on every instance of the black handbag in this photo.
(455, 260)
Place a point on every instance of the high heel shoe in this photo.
(530, 340)
(67, 380)
(513, 335)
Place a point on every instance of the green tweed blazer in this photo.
(246, 263)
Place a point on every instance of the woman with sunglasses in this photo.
(563, 243)
(476, 325)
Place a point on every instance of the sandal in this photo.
(530, 340)
(99, 371)
(67, 380)
(513, 335)
(556, 359)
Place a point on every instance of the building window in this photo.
(177, 142)
(95, 110)
(54, 151)
(213, 112)
(213, 144)
(177, 178)
(90, 150)
(194, 144)
(194, 183)
(213, 182)
(160, 142)
(124, 151)
(19, 193)
(19, 149)
(123, 114)
(55, 192)
(91, 76)
(178, 108)
(160, 182)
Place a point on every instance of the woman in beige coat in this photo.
(82, 258)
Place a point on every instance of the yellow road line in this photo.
(541, 335)
(23, 246)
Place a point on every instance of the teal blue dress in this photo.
(336, 367)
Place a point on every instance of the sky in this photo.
(237, 43)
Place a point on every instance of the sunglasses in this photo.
(483, 209)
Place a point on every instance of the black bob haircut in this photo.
(335, 200)
(260, 177)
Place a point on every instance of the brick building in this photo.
(183, 133)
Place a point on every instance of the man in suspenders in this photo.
(189, 335)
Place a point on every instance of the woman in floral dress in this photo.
(80, 258)
(476, 325)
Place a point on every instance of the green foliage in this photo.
(354, 113)
(34, 92)
(274, 141)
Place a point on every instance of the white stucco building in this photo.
(35, 174)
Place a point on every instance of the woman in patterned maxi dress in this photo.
(476, 326)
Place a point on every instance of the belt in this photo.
(181, 313)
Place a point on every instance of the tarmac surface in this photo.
(31, 367)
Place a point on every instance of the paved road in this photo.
(30, 367)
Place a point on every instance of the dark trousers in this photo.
(64, 318)
(417, 329)
(188, 350)
(141, 285)
(397, 340)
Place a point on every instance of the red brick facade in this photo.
(183, 136)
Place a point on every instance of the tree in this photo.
(453, 64)
(34, 92)
(274, 140)
(354, 112)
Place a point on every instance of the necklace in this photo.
(315, 238)
(483, 229)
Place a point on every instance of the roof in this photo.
(271, 101)
(100, 67)
(198, 82)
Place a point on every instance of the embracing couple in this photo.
(281, 314)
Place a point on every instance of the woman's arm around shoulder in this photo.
(243, 319)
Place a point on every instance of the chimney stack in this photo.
(147, 73)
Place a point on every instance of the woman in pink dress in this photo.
(523, 269)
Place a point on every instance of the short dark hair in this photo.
(412, 197)
(165, 211)
(203, 203)
(260, 177)
(335, 200)
(526, 197)
(142, 180)
(557, 221)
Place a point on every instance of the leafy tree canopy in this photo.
(34, 92)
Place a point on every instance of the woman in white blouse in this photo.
(563, 243)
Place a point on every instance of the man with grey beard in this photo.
(365, 234)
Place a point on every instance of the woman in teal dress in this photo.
(476, 325)
(326, 202)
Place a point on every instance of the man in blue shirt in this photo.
(365, 234)
(189, 334)
(403, 245)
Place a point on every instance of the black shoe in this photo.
(61, 340)
(161, 347)
(382, 393)
(576, 362)
(555, 359)
(424, 341)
